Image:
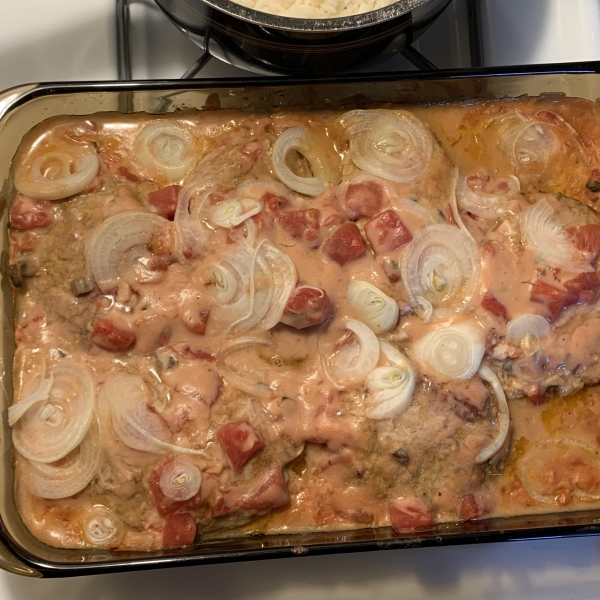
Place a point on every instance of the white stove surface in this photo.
(68, 40)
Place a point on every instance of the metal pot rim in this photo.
(293, 24)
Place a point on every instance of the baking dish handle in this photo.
(10, 563)
(10, 97)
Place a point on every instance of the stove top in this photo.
(71, 40)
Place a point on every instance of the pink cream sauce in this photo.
(313, 460)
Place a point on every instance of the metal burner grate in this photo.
(410, 53)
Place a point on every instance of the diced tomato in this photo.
(269, 491)
(252, 150)
(582, 289)
(164, 201)
(552, 297)
(301, 224)
(491, 303)
(586, 238)
(240, 442)
(26, 213)
(125, 173)
(345, 244)
(535, 395)
(386, 232)
(408, 514)
(469, 509)
(195, 319)
(364, 199)
(179, 531)
(109, 336)
(307, 306)
(331, 221)
(272, 492)
(273, 203)
(186, 351)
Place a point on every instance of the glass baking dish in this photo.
(24, 107)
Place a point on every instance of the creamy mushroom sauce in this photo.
(276, 427)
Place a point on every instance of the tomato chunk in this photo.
(272, 492)
(408, 514)
(386, 232)
(307, 306)
(26, 213)
(586, 238)
(252, 150)
(551, 297)
(125, 173)
(491, 303)
(582, 289)
(240, 442)
(364, 199)
(273, 203)
(469, 509)
(345, 244)
(179, 531)
(301, 224)
(195, 319)
(269, 491)
(164, 201)
(110, 336)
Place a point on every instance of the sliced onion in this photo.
(58, 174)
(48, 432)
(455, 351)
(529, 143)
(354, 360)
(227, 286)
(284, 276)
(423, 309)
(454, 207)
(295, 138)
(260, 294)
(442, 266)
(101, 526)
(165, 147)
(231, 213)
(549, 241)
(428, 216)
(394, 145)
(138, 426)
(527, 329)
(503, 415)
(246, 383)
(490, 201)
(393, 386)
(232, 279)
(40, 394)
(180, 480)
(70, 476)
(376, 309)
(189, 214)
(113, 238)
(553, 498)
